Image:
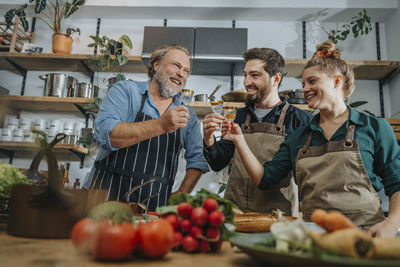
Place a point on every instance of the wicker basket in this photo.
(13, 39)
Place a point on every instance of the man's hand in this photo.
(175, 118)
(211, 123)
(386, 228)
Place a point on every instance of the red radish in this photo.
(178, 239)
(204, 246)
(185, 226)
(173, 219)
(196, 231)
(190, 244)
(185, 210)
(210, 204)
(216, 218)
(213, 233)
(199, 216)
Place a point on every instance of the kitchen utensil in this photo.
(55, 84)
(85, 90)
(95, 91)
(71, 85)
(235, 96)
(141, 204)
(205, 97)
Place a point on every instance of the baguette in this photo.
(252, 222)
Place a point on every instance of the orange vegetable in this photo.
(335, 221)
(331, 221)
(318, 216)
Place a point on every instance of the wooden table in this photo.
(18, 251)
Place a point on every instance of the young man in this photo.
(141, 128)
(266, 120)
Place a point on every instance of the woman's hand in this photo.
(231, 131)
(386, 228)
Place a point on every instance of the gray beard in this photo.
(165, 90)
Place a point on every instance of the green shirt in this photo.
(378, 146)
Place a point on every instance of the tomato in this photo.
(82, 234)
(115, 241)
(156, 238)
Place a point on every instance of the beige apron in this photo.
(332, 177)
(264, 140)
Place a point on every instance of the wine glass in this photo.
(230, 113)
(187, 95)
(217, 107)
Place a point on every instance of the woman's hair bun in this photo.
(327, 50)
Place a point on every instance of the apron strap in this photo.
(306, 146)
(143, 101)
(279, 125)
(247, 122)
(348, 142)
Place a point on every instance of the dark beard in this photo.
(253, 100)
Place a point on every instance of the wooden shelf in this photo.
(204, 108)
(364, 69)
(64, 152)
(63, 62)
(43, 103)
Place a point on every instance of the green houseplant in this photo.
(359, 25)
(52, 13)
(111, 51)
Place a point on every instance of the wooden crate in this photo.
(395, 123)
(13, 39)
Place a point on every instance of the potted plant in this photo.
(111, 51)
(359, 25)
(52, 13)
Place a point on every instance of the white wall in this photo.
(283, 36)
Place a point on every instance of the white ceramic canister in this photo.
(12, 123)
(29, 136)
(18, 135)
(39, 125)
(68, 127)
(55, 125)
(6, 134)
(25, 123)
(51, 133)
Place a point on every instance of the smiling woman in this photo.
(341, 148)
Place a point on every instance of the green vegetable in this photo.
(9, 176)
(114, 210)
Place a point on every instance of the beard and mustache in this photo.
(258, 97)
(165, 90)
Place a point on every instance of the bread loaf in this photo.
(252, 222)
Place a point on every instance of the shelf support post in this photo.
(80, 156)
(304, 40)
(9, 154)
(89, 71)
(381, 82)
(23, 73)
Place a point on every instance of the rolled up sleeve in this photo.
(113, 110)
(193, 143)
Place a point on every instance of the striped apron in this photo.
(129, 167)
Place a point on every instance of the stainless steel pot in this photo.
(71, 85)
(85, 90)
(95, 91)
(55, 84)
(205, 97)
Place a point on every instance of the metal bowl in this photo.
(235, 96)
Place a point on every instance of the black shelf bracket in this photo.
(165, 22)
(382, 81)
(80, 156)
(81, 109)
(8, 153)
(89, 71)
(22, 71)
(304, 33)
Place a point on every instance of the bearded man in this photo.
(266, 121)
(141, 128)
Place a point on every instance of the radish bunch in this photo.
(197, 229)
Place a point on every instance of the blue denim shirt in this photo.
(122, 103)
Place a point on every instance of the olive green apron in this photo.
(332, 177)
(264, 140)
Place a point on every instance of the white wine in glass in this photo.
(230, 113)
(217, 107)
